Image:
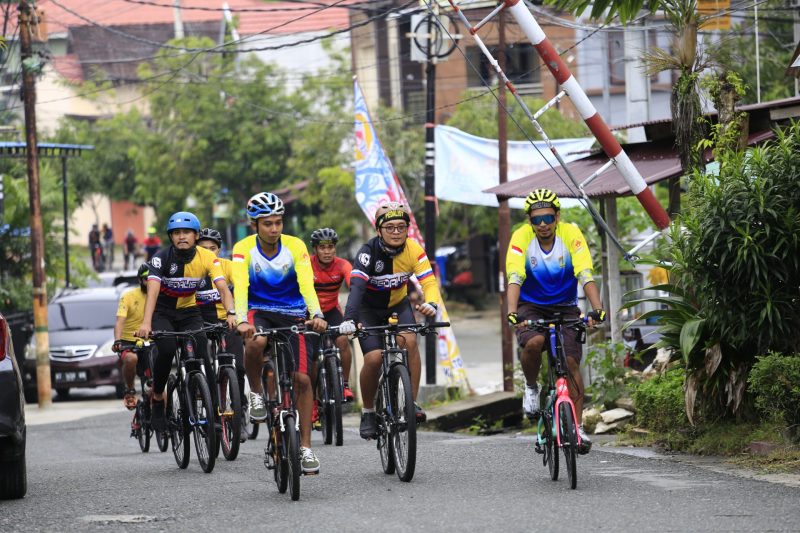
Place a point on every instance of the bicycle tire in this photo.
(569, 442)
(143, 433)
(249, 428)
(212, 382)
(335, 393)
(551, 459)
(177, 423)
(404, 423)
(292, 447)
(229, 409)
(162, 440)
(202, 414)
(281, 457)
(324, 408)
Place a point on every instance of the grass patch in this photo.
(782, 461)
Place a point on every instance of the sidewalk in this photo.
(68, 411)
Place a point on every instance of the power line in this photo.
(311, 5)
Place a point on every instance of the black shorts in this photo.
(142, 360)
(369, 316)
(334, 317)
(302, 350)
(529, 311)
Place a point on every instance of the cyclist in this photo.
(96, 248)
(377, 289)
(210, 302)
(329, 273)
(151, 243)
(129, 317)
(175, 275)
(546, 260)
(275, 288)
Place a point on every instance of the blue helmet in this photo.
(264, 204)
(183, 220)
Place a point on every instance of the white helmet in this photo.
(264, 204)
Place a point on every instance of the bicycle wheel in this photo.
(550, 458)
(177, 423)
(230, 407)
(162, 441)
(212, 381)
(569, 442)
(335, 395)
(249, 429)
(292, 442)
(403, 426)
(281, 457)
(144, 432)
(324, 407)
(201, 416)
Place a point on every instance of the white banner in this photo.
(466, 165)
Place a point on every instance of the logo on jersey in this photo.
(257, 268)
(156, 262)
(363, 259)
(577, 244)
(390, 281)
(202, 284)
(173, 268)
(379, 266)
(533, 262)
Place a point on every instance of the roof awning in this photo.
(655, 160)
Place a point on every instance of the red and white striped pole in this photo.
(587, 111)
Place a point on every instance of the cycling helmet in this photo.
(142, 274)
(324, 236)
(183, 220)
(391, 211)
(264, 204)
(540, 199)
(212, 235)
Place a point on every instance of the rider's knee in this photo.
(534, 345)
(302, 381)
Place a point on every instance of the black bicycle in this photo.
(141, 428)
(557, 420)
(282, 451)
(329, 387)
(394, 402)
(189, 406)
(225, 393)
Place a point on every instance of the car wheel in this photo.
(13, 477)
(62, 392)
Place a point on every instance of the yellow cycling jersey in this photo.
(549, 277)
(180, 279)
(131, 307)
(208, 296)
(282, 283)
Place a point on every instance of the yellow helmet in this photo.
(541, 198)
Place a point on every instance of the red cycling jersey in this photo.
(328, 279)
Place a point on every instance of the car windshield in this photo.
(81, 315)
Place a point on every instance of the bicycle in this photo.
(394, 403)
(189, 408)
(224, 384)
(330, 384)
(556, 426)
(282, 451)
(141, 429)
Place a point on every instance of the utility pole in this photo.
(430, 188)
(27, 15)
(503, 213)
(178, 21)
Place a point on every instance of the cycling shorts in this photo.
(142, 358)
(529, 311)
(301, 349)
(334, 317)
(370, 316)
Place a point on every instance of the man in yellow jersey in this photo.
(546, 260)
(274, 287)
(378, 283)
(175, 275)
(129, 317)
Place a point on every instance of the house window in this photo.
(522, 65)
(616, 57)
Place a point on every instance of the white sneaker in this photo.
(308, 461)
(258, 411)
(530, 401)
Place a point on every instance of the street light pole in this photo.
(430, 188)
(29, 69)
(66, 219)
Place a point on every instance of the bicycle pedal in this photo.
(538, 449)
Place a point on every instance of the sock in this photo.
(364, 410)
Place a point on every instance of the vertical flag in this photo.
(376, 182)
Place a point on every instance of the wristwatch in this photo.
(319, 315)
(231, 312)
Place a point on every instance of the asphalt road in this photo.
(89, 475)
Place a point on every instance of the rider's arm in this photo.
(305, 277)
(347, 269)
(119, 325)
(241, 279)
(424, 273)
(515, 258)
(358, 282)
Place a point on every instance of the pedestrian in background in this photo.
(108, 244)
(152, 244)
(131, 243)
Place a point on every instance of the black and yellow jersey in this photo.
(180, 275)
(208, 298)
(380, 281)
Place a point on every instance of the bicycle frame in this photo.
(556, 352)
(283, 369)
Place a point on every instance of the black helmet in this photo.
(212, 235)
(324, 236)
(144, 271)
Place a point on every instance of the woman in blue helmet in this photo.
(175, 275)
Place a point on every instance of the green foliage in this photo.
(775, 384)
(659, 402)
(614, 381)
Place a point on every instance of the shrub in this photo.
(659, 402)
(613, 380)
(774, 383)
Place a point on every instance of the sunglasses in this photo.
(538, 219)
(395, 229)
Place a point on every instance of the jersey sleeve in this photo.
(227, 270)
(212, 264)
(122, 308)
(424, 272)
(155, 265)
(515, 258)
(579, 250)
(305, 277)
(241, 279)
(359, 276)
(347, 269)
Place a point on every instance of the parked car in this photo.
(13, 477)
(113, 279)
(81, 328)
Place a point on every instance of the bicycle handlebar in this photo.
(299, 329)
(545, 323)
(181, 334)
(425, 329)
